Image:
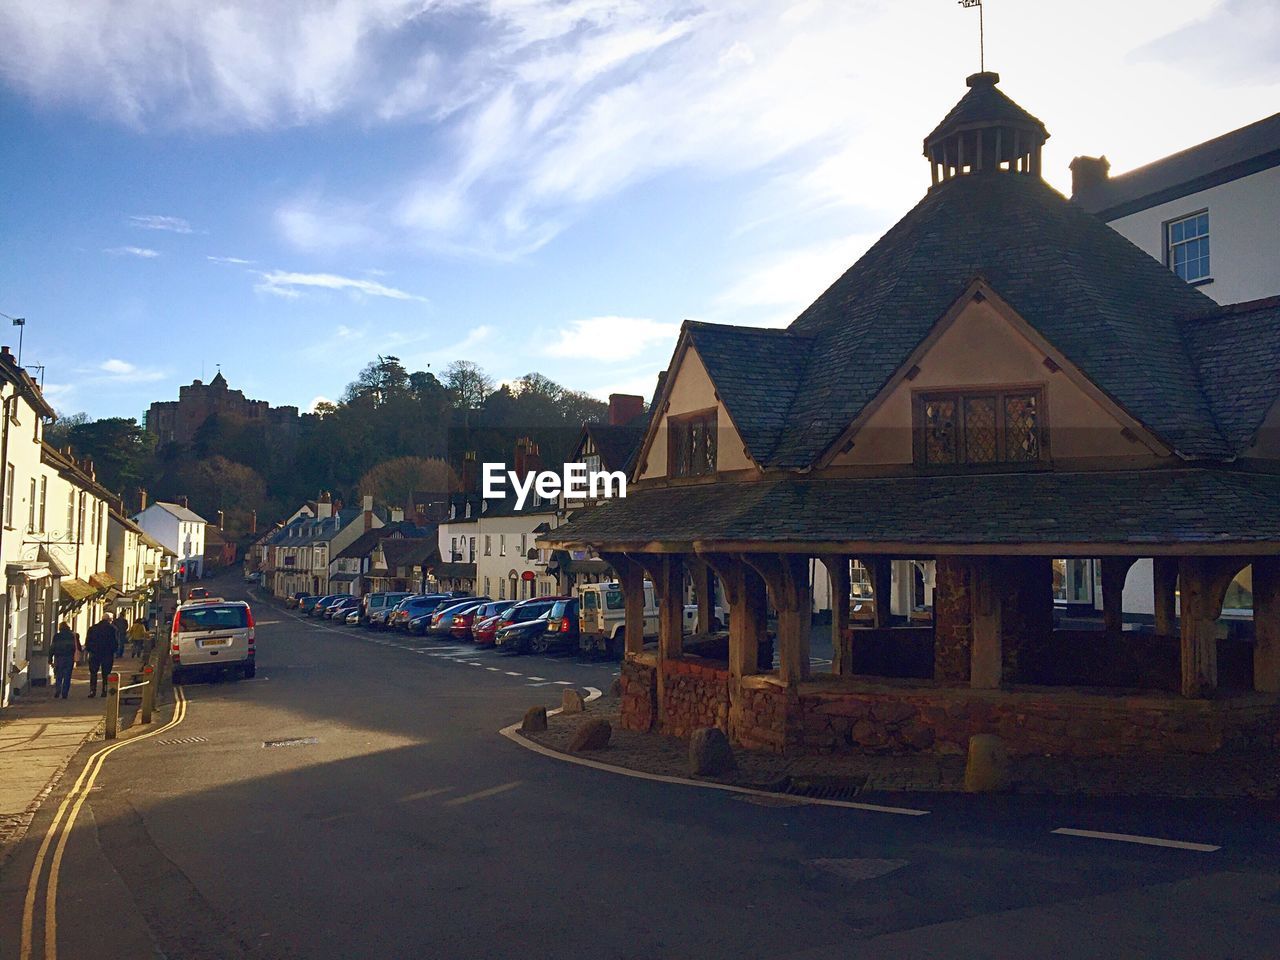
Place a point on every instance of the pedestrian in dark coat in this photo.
(122, 633)
(62, 654)
(100, 643)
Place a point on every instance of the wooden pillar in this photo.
(1164, 580)
(631, 579)
(704, 589)
(1115, 570)
(986, 664)
(1266, 624)
(841, 637)
(786, 576)
(1202, 584)
(881, 570)
(748, 611)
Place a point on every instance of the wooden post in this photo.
(631, 580)
(112, 706)
(1202, 583)
(1164, 578)
(986, 664)
(787, 577)
(748, 611)
(149, 677)
(1115, 570)
(841, 637)
(671, 608)
(1266, 624)
(704, 589)
(881, 570)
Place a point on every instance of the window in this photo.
(524, 545)
(488, 545)
(502, 590)
(453, 549)
(691, 450)
(472, 550)
(44, 490)
(1187, 246)
(80, 519)
(1073, 581)
(502, 544)
(997, 426)
(8, 495)
(31, 508)
(71, 514)
(486, 586)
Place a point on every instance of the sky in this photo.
(290, 189)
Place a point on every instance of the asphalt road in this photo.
(394, 822)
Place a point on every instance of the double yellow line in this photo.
(70, 809)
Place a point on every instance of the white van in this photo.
(602, 619)
(213, 635)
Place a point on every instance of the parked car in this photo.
(461, 620)
(602, 617)
(295, 598)
(375, 606)
(517, 624)
(324, 603)
(198, 593)
(352, 619)
(483, 615)
(307, 604)
(211, 635)
(562, 628)
(339, 609)
(442, 620)
(413, 607)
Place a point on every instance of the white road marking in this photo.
(562, 683)
(593, 694)
(512, 673)
(424, 794)
(493, 669)
(481, 794)
(1133, 838)
(537, 678)
(473, 664)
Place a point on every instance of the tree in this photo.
(394, 482)
(217, 483)
(121, 451)
(467, 383)
(380, 380)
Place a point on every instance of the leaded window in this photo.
(692, 445)
(963, 428)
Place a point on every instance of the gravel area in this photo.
(1230, 778)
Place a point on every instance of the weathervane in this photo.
(982, 58)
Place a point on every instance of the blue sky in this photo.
(290, 189)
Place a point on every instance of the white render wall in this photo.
(1244, 234)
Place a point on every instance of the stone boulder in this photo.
(987, 768)
(592, 735)
(535, 720)
(615, 688)
(572, 702)
(710, 754)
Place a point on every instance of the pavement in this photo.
(39, 736)
(355, 799)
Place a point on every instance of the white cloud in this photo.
(114, 370)
(786, 282)
(157, 222)
(611, 339)
(283, 283)
(232, 260)
(146, 253)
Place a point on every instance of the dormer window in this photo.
(691, 450)
(979, 427)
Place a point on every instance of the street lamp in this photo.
(21, 324)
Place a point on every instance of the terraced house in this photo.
(1000, 382)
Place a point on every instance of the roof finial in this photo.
(982, 42)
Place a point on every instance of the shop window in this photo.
(980, 427)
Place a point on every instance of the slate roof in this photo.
(984, 105)
(617, 445)
(1220, 160)
(181, 512)
(1145, 508)
(1238, 351)
(1111, 309)
(410, 551)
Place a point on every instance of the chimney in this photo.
(623, 408)
(6, 356)
(87, 468)
(366, 503)
(253, 521)
(521, 466)
(324, 507)
(397, 514)
(1088, 173)
(470, 474)
(184, 503)
(222, 520)
(142, 499)
(532, 458)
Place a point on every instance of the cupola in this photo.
(985, 132)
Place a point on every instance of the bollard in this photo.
(113, 705)
(148, 692)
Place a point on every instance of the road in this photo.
(355, 801)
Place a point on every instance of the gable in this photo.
(983, 347)
(690, 390)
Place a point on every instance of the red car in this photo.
(468, 625)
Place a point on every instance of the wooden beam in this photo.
(1266, 624)
(631, 579)
(1115, 570)
(881, 570)
(1202, 585)
(748, 611)
(786, 576)
(986, 664)
(1164, 577)
(841, 636)
(704, 591)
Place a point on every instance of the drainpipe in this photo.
(9, 402)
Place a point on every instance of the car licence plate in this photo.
(216, 642)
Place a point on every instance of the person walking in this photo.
(137, 638)
(122, 633)
(100, 642)
(62, 654)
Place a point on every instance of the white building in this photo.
(489, 547)
(1211, 213)
(181, 530)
